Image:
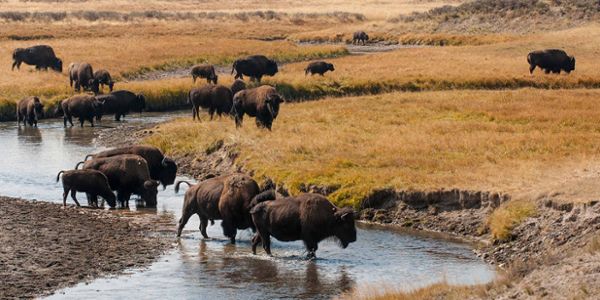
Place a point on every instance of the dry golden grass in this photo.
(506, 217)
(434, 291)
(505, 140)
(494, 66)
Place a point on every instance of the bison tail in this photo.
(58, 175)
(180, 182)
(88, 156)
(78, 164)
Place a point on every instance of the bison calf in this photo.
(318, 67)
(104, 78)
(307, 217)
(205, 71)
(360, 37)
(91, 182)
(29, 109)
(551, 60)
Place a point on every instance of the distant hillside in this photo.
(506, 15)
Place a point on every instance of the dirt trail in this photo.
(45, 247)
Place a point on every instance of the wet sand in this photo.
(45, 247)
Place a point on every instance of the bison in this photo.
(224, 198)
(40, 56)
(93, 183)
(261, 102)
(360, 36)
(84, 107)
(318, 67)
(127, 174)
(104, 78)
(205, 71)
(82, 75)
(237, 86)
(307, 217)
(215, 98)
(161, 167)
(551, 60)
(29, 110)
(121, 103)
(255, 66)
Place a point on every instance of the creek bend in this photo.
(209, 269)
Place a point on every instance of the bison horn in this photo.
(164, 162)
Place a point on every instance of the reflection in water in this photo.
(31, 136)
(214, 269)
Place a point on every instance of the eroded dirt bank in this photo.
(45, 247)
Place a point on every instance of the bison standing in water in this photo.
(40, 56)
(127, 174)
(161, 167)
(224, 198)
(307, 217)
(93, 183)
(29, 110)
(121, 103)
(215, 98)
(318, 67)
(261, 102)
(551, 60)
(360, 36)
(82, 75)
(84, 107)
(205, 71)
(104, 78)
(255, 66)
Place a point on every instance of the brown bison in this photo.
(93, 183)
(104, 78)
(121, 103)
(255, 66)
(237, 86)
(29, 110)
(127, 174)
(318, 67)
(215, 98)
(307, 217)
(161, 167)
(82, 75)
(261, 102)
(551, 60)
(205, 71)
(84, 107)
(360, 36)
(224, 198)
(41, 56)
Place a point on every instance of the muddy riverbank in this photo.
(46, 247)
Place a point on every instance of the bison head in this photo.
(271, 68)
(330, 67)
(237, 110)
(57, 65)
(139, 103)
(344, 228)
(214, 79)
(58, 111)
(273, 100)
(571, 64)
(98, 108)
(150, 192)
(111, 200)
(168, 172)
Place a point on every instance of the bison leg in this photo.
(531, 68)
(15, 64)
(203, 225)
(229, 230)
(311, 247)
(91, 121)
(266, 242)
(255, 241)
(65, 194)
(81, 121)
(73, 195)
(211, 112)
(185, 216)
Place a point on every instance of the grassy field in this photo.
(504, 140)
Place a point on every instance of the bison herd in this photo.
(235, 199)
